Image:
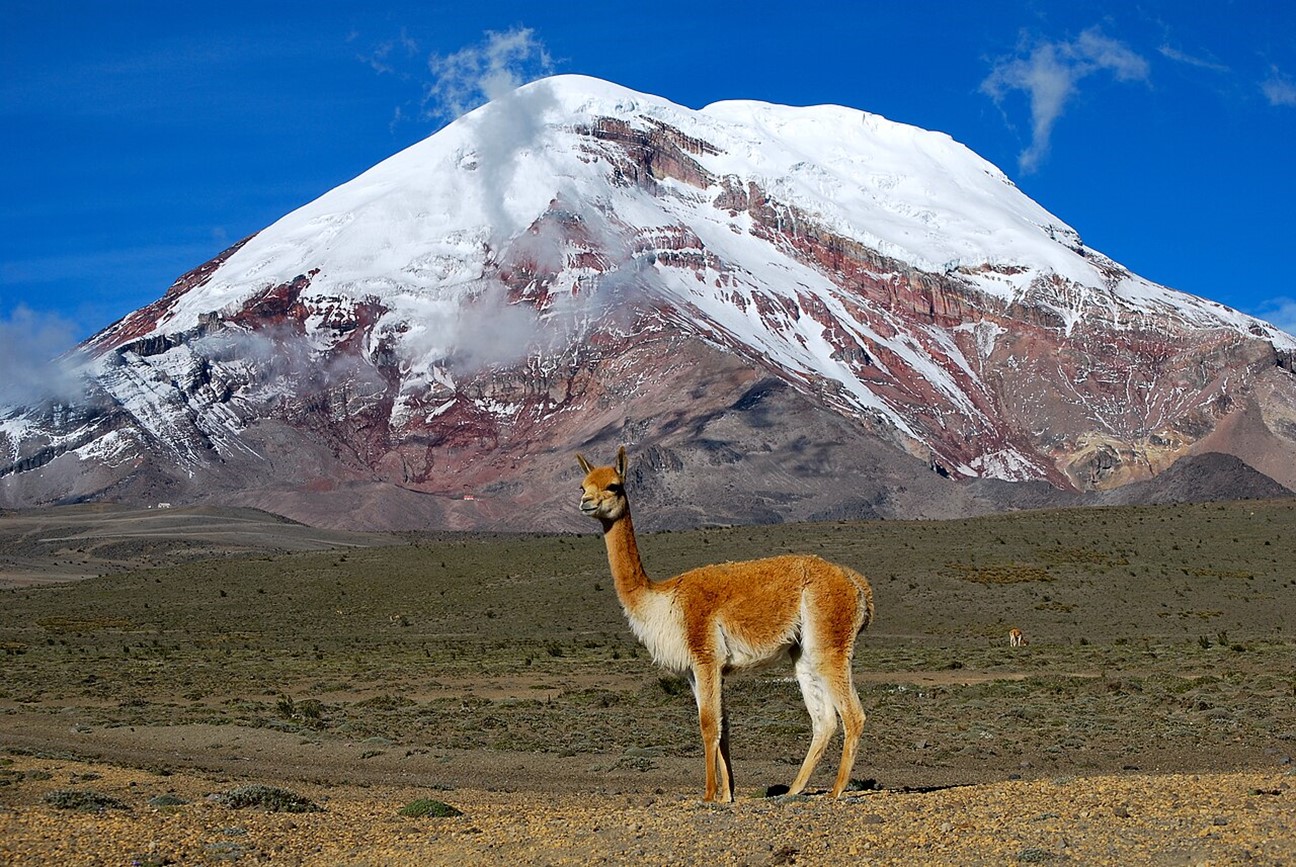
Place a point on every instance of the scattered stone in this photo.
(783, 855)
(225, 850)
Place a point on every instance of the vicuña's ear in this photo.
(585, 465)
(621, 462)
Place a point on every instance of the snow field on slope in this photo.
(419, 223)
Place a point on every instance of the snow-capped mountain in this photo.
(786, 312)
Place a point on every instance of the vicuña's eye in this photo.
(614, 489)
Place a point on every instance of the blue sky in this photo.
(137, 140)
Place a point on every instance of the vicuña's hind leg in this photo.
(823, 720)
(846, 700)
(726, 766)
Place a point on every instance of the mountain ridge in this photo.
(578, 264)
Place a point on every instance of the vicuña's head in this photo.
(603, 491)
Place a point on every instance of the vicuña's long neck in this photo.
(623, 556)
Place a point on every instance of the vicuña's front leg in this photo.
(707, 685)
(726, 766)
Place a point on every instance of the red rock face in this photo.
(650, 155)
(145, 320)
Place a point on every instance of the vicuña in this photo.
(728, 617)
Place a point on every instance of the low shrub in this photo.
(83, 801)
(269, 798)
(421, 807)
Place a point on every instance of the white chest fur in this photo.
(658, 622)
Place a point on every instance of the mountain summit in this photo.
(784, 312)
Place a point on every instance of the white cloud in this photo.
(453, 84)
(477, 74)
(1278, 88)
(38, 360)
(511, 125)
(1049, 75)
(1172, 53)
(1280, 312)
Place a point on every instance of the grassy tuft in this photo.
(425, 807)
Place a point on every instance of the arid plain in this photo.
(157, 661)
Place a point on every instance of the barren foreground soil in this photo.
(1240, 817)
(1152, 718)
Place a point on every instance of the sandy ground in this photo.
(1232, 818)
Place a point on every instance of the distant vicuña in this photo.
(727, 617)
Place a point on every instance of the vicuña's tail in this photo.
(865, 592)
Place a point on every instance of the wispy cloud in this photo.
(1281, 312)
(1049, 73)
(476, 74)
(1171, 53)
(450, 85)
(386, 56)
(1279, 88)
(37, 357)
